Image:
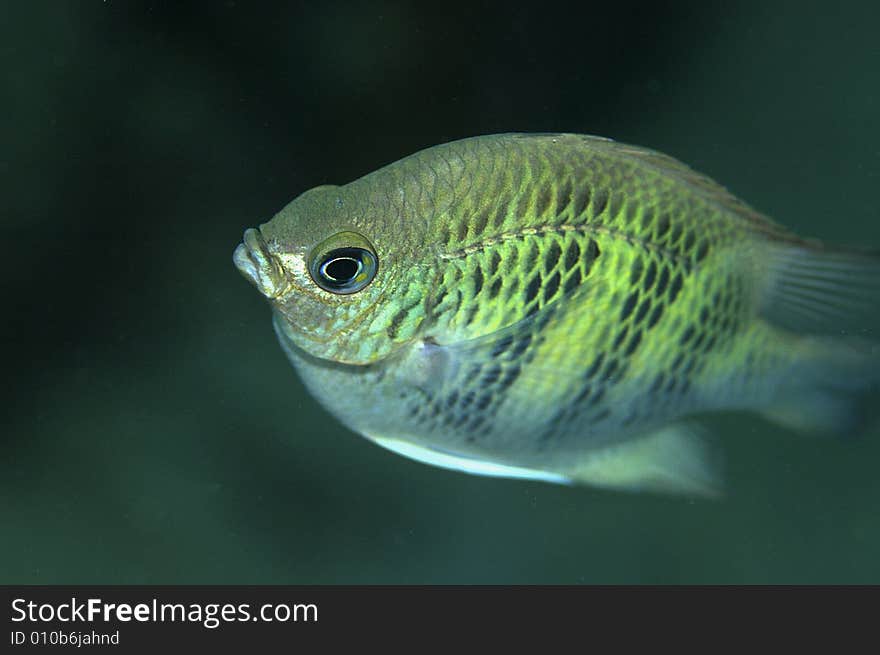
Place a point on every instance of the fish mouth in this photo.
(254, 260)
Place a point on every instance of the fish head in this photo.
(338, 274)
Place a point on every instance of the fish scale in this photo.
(556, 306)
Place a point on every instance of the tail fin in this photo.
(830, 300)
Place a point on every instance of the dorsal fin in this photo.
(700, 184)
(705, 187)
(814, 290)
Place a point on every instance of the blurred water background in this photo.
(152, 430)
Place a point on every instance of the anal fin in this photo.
(820, 412)
(674, 459)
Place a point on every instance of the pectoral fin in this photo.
(673, 460)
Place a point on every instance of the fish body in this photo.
(556, 306)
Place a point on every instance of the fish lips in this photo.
(254, 260)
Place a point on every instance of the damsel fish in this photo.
(559, 307)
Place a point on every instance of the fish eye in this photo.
(343, 264)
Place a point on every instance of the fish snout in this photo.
(254, 260)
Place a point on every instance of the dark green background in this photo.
(153, 431)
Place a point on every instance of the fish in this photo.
(564, 308)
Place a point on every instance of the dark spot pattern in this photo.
(500, 215)
(532, 289)
(572, 254)
(481, 220)
(636, 271)
(495, 288)
(600, 202)
(472, 400)
(396, 322)
(563, 197)
(494, 263)
(663, 224)
(552, 255)
(650, 276)
(581, 201)
(478, 280)
(702, 251)
(543, 199)
(523, 274)
(629, 305)
(662, 281)
(675, 287)
(642, 311)
(551, 287)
